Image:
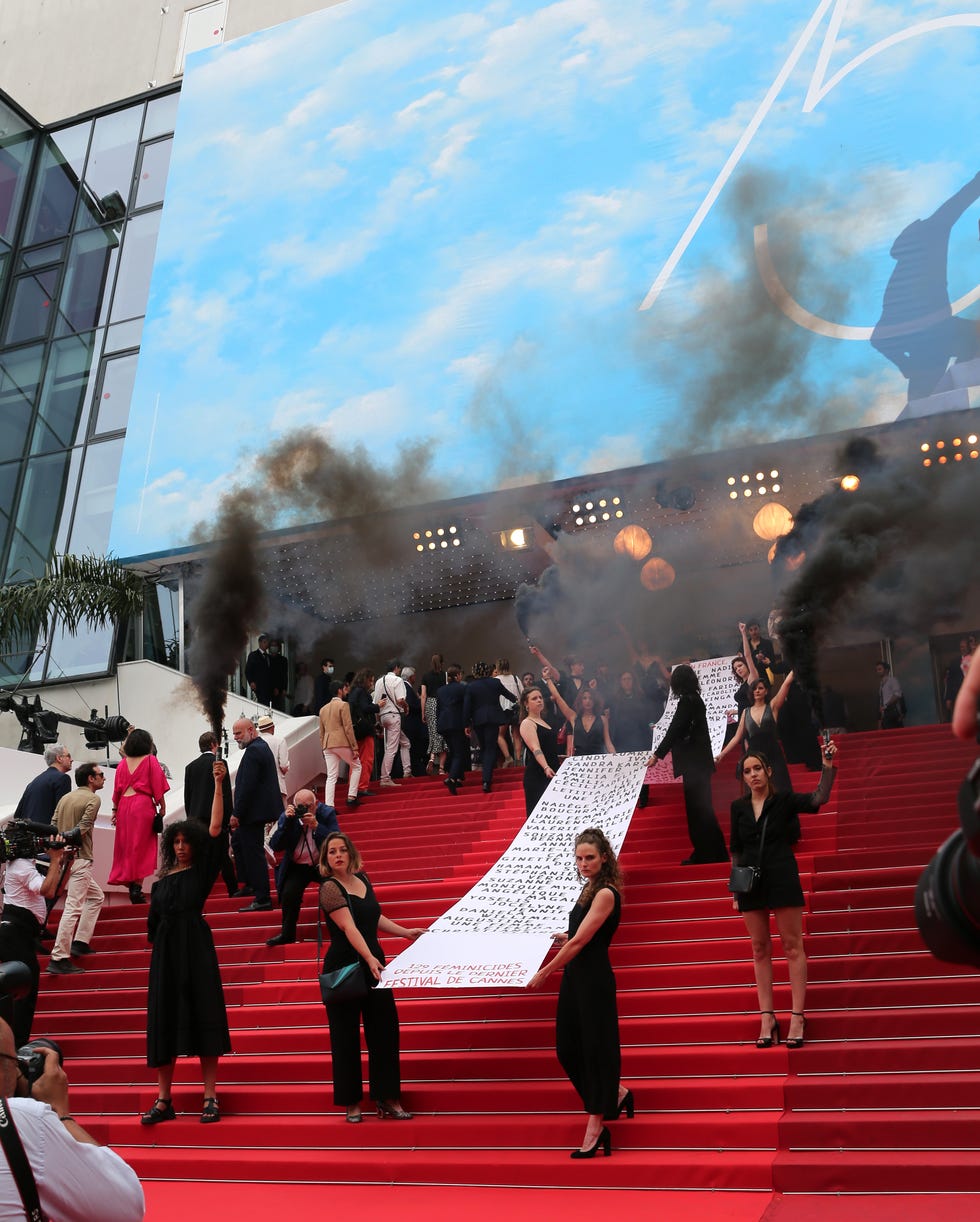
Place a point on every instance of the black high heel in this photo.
(604, 1139)
(625, 1105)
(797, 1041)
(767, 1041)
(387, 1111)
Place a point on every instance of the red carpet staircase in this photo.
(883, 1097)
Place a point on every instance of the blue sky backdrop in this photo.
(460, 222)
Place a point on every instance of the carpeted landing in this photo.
(881, 1101)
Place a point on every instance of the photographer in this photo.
(76, 1178)
(24, 912)
(301, 829)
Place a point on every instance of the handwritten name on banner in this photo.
(499, 932)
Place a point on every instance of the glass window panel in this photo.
(38, 510)
(31, 306)
(16, 147)
(124, 335)
(72, 145)
(118, 377)
(20, 374)
(42, 255)
(62, 395)
(88, 280)
(3, 273)
(71, 487)
(161, 617)
(153, 169)
(53, 203)
(96, 497)
(8, 486)
(109, 176)
(85, 654)
(161, 116)
(136, 266)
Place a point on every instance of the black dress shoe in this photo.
(280, 940)
(257, 906)
(81, 948)
(353, 801)
(451, 785)
(242, 893)
(486, 787)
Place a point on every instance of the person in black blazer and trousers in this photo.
(199, 795)
(302, 828)
(451, 724)
(688, 738)
(482, 709)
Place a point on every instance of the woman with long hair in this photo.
(745, 674)
(541, 743)
(434, 678)
(185, 1004)
(587, 717)
(508, 737)
(765, 826)
(688, 739)
(757, 731)
(353, 918)
(137, 799)
(587, 1022)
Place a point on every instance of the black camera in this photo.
(947, 898)
(30, 1058)
(301, 809)
(23, 838)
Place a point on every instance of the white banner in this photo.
(497, 935)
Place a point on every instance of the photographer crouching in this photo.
(25, 910)
(52, 1168)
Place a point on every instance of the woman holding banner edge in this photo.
(587, 1021)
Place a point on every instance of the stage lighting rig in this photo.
(39, 726)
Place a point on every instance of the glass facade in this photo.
(80, 208)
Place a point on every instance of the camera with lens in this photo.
(947, 898)
(31, 1060)
(301, 809)
(23, 838)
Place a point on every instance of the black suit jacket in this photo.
(481, 704)
(449, 707)
(199, 790)
(258, 798)
(688, 738)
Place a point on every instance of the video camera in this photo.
(22, 838)
(947, 898)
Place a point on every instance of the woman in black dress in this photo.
(185, 1005)
(587, 1023)
(354, 917)
(757, 731)
(590, 725)
(689, 741)
(541, 743)
(778, 889)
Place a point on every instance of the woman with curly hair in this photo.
(587, 1022)
(185, 1005)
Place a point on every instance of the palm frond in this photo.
(75, 590)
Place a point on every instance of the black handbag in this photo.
(744, 879)
(343, 984)
(157, 824)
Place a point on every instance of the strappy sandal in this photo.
(210, 1114)
(798, 1040)
(767, 1041)
(162, 1109)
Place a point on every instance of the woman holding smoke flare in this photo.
(765, 826)
(757, 731)
(354, 917)
(185, 1004)
(541, 741)
(587, 1022)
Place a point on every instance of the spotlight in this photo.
(850, 483)
(518, 539)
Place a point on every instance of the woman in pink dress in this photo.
(137, 798)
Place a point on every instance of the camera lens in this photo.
(947, 903)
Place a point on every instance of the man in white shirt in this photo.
(280, 751)
(389, 696)
(77, 1179)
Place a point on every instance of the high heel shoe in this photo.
(797, 1040)
(767, 1041)
(604, 1139)
(625, 1105)
(391, 1111)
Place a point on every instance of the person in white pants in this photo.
(338, 742)
(85, 897)
(390, 697)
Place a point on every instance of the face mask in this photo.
(329, 670)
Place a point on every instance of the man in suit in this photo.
(452, 726)
(258, 672)
(482, 709)
(257, 802)
(198, 796)
(43, 794)
(301, 830)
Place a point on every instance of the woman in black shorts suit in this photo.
(778, 889)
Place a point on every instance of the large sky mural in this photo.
(557, 239)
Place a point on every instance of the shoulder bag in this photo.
(744, 879)
(347, 983)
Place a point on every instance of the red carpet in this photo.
(880, 1101)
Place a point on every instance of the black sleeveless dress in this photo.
(591, 741)
(535, 780)
(587, 1023)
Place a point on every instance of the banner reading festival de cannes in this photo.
(497, 935)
